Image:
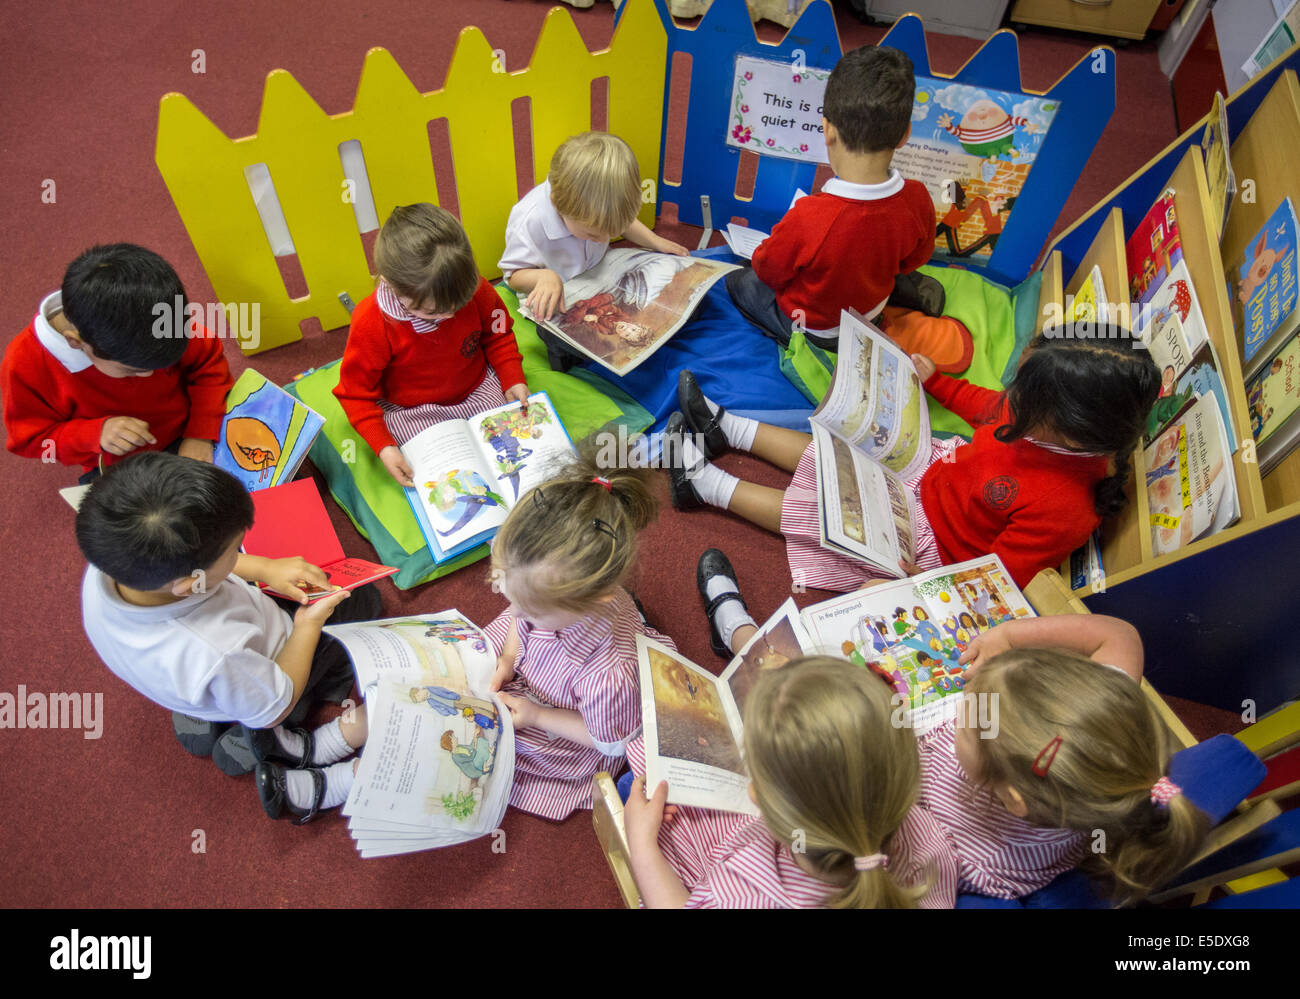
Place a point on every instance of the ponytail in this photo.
(1153, 843)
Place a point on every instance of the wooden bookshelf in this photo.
(1050, 291)
(1264, 153)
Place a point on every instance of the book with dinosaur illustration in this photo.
(469, 473)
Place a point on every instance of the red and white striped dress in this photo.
(729, 861)
(815, 566)
(589, 667)
(998, 854)
(404, 422)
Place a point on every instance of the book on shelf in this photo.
(871, 432)
(1219, 175)
(1262, 289)
(469, 473)
(437, 766)
(1273, 400)
(1191, 491)
(911, 633)
(1086, 569)
(1089, 302)
(1201, 376)
(1159, 281)
(622, 310)
(265, 434)
(291, 520)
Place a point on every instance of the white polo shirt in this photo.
(536, 236)
(210, 655)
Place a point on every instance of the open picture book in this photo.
(437, 766)
(469, 473)
(911, 633)
(871, 431)
(625, 308)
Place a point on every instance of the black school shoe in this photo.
(274, 795)
(714, 563)
(683, 492)
(705, 425)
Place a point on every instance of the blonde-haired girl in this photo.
(1078, 762)
(568, 668)
(836, 784)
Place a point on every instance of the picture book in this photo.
(742, 240)
(625, 308)
(872, 431)
(1201, 376)
(73, 495)
(469, 473)
(1218, 164)
(692, 720)
(1263, 285)
(913, 632)
(1176, 295)
(1086, 570)
(1191, 492)
(1273, 399)
(1153, 249)
(291, 520)
(1089, 302)
(1166, 339)
(439, 760)
(266, 433)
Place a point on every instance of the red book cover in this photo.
(1153, 249)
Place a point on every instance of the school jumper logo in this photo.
(1000, 492)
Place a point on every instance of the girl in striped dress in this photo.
(1076, 759)
(567, 668)
(836, 786)
(1048, 459)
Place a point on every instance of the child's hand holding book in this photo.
(397, 465)
(290, 575)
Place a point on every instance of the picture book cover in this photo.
(1218, 163)
(1089, 302)
(1153, 249)
(1273, 396)
(265, 434)
(1086, 570)
(1191, 492)
(438, 763)
(625, 308)
(973, 148)
(1201, 377)
(1263, 281)
(291, 520)
(469, 473)
(913, 632)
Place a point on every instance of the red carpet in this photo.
(130, 819)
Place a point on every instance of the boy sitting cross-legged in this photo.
(167, 603)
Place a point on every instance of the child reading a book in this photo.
(564, 225)
(1077, 748)
(93, 377)
(167, 605)
(1048, 460)
(568, 662)
(433, 343)
(845, 246)
(836, 784)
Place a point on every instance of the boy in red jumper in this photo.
(1048, 460)
(845, 246)
(93, 378)
(433, 343)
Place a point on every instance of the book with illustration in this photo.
(1089, 302)
(1191, 492)
(291, 520)
(265, 434)
(1262, 287)
(1159, 281)
(625, 308)
(1200, 376)
(469, 473)
(1218, 163)
(1273, 399)
(871, 431)
(438, 762)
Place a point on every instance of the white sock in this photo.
(713, 485)
(739, 430)
(301, 789)
(730, 615)
(329, 746)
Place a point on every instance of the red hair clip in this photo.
(1043, 761)
(601, 481)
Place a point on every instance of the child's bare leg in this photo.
(759, 505)
(354, 727)
(742, 635)
(780, 445)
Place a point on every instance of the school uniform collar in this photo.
(52, 340)
(864, 192)
(552, 224)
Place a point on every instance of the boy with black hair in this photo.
(167, 604)
(845, 246)
(95, 376)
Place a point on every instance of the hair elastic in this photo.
(1162, 791)
(602, 481)
(870, 863)
(1041, 765)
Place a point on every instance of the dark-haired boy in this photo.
(167, 604)
(845, 246)
(92, 379)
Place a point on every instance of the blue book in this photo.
(1263, 284)
(265, 434)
